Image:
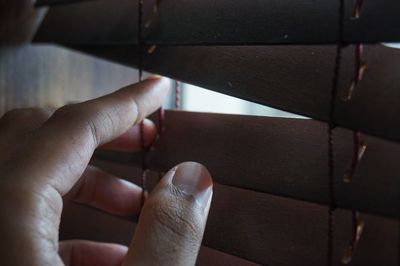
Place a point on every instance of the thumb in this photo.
(172, 222)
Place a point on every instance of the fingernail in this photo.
(194, 179)
(154, 76)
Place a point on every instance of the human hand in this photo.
(44, 160)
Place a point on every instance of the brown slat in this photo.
(127, 172)
(286, 157)
(263, 228)
(293, 78)
(80, 222)
(209, 22)
(278, 231)
(208, 256)
(57, 2)
(89, 22)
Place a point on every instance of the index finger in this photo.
(66, 142)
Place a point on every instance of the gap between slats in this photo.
(292, 78)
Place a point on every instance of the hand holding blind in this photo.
(45, 162)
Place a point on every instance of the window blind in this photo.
(211, 22)
(281, 156)
(288, 190)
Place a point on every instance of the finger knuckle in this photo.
(81, 117)
(66, 113)
(25, 115)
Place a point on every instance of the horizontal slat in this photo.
(221, 22)
(263, 228)
(39, 3)
(209, 257)
(297, 79)
(90, 22)
(286, 157)
(80, 222)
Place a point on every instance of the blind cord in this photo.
(161, 111)
(178, 95)
(359, 145)
(144, 168)
(331, 126)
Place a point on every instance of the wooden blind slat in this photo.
(258, 227)
(293, 78)
(80, 222)
(281, 156)
(40, 3)
(277, 231)
(224, 22)
(208, 256)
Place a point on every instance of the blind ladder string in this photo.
(331, 126)
(359, 145)
(178, 85)
(161, 111)
(360, 68)
(144, 167)
(359, 148)
(178, 95)
(151, 50)
(358, 224)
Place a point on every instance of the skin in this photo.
(44, 161)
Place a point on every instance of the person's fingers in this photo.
(131, 141)
(16, 126)
(23, 120)
(17, 123)
(101, 190)
(87, 253)
(65, 143)
(173, 219)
